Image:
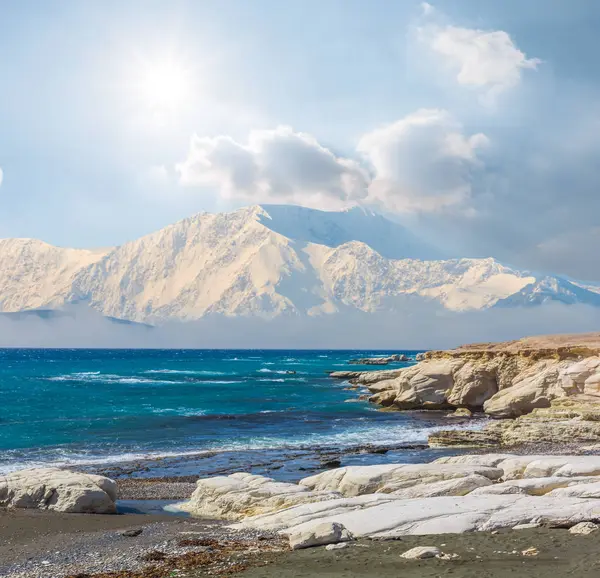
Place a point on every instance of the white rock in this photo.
(58, 490)
(583, 528)
(514, 467)
(529, 526)
(578, 490)
(532, 486)
(562, 466)
(359, 480)
(532, 388)
(453, 487)
(339, 546)
(491, 460)
(238, 495)
(422, 552)
(319, 535)
(384, 516)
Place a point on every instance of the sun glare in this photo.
(164, 85)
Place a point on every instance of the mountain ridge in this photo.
(266, 261)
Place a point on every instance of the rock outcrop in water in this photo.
(450, 495)
(396, 358)
(549, 385)
(58, 490)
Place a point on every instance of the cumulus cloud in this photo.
(423, 162)
(1, 175)
(487, 60)
(277, 165)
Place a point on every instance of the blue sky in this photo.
(474, 122)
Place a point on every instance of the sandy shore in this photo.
(481, 555)
(36, 544)
(45, 545)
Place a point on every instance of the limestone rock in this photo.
(474, 384)
(578, 490)
(584, 528)
(461, 412)
(425, 385)
(386, 516)
(319, 535)
(422, 552)
(530, 526)
(464, 438)
(238, 495)
(58, 490)
(531, 486)
(369, 378)
(491, 460)
(452, 487)
(339, 546)
(387, 478)
(345, 374)
(534, 387)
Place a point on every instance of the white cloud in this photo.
(277, 165)
(1, 176)
(487, 60)
(422, 163)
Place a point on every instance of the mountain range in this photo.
(267, 261)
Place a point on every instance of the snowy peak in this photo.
(266, 261)
(34, 274)
(334, 228)
(549, 289)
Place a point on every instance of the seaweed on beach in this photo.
(218, 558)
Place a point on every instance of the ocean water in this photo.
(112, 406)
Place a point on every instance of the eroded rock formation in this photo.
(58, 490)
(450, 495)
(537, 381)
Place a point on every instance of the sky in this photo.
(475, 123)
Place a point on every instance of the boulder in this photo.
(584, 528)
(339, 546)
(461, 412)
(319, 535)
(58, 490)
(238, 495)
(422, 553)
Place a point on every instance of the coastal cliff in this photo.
(541, 388)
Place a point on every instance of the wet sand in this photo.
(49, 545)
(481, 555)
(36, 544)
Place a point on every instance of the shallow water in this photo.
(107, 406)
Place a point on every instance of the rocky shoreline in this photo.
(540, 399)
(540, 390)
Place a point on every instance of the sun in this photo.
(164, 85)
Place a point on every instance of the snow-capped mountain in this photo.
(266, 261)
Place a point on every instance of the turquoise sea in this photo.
(101, 407)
